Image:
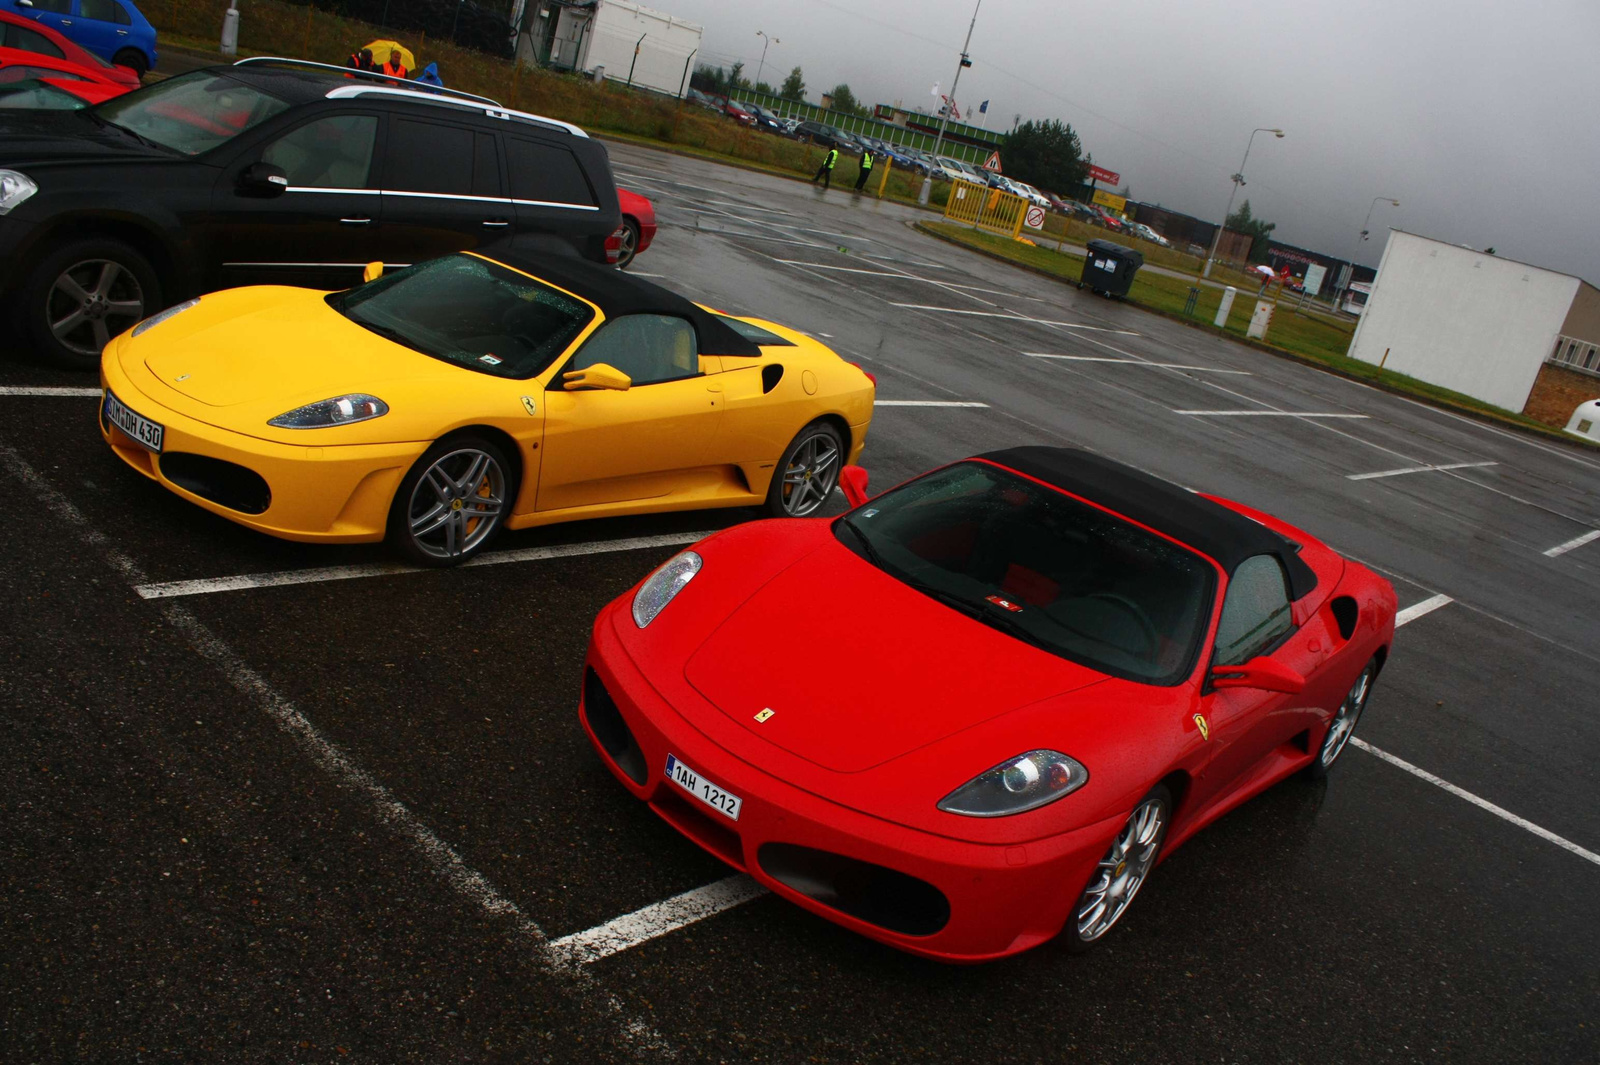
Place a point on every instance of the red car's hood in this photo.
(859, 668)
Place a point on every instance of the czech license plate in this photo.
(721, 801)
(137, 426)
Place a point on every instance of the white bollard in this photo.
(230, 30)
(1226, 306)
(1261, 319)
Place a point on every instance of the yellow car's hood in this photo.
(244, 356)
(252, 344)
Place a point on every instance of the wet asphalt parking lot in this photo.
(340, 813)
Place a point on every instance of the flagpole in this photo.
(944, 120)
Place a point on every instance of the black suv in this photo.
(271, 171)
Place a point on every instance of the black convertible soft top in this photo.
(1210, 528)
(617, 293)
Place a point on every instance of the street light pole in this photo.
(1238, 179)
(944, 120)
(1373, 206)
(765, 41)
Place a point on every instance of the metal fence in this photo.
(985, 208)
(872, 127)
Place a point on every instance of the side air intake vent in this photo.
(771, 374)
(1345, 613)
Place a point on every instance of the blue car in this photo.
(114, 30)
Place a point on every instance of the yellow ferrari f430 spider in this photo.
(436, 404)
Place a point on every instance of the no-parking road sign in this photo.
(1034, 219)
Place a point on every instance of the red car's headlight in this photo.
(1017, 785)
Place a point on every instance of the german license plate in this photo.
(137, 426)
(723, 802)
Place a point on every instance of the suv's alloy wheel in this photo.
(85, 293)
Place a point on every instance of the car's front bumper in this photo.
(335, 494)
(1001, 899)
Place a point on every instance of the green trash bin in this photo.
(1108, 268)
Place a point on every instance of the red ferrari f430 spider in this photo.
(972, 714)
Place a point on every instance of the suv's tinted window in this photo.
(1255, 614)
(546, 173)
(649, 348)
(59, 7)
(330, 153)
(192, 113)
(426, 157)
(28, 40)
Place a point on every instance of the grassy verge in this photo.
(1317, 341)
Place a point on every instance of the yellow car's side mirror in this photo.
(372, 272)
(597, 376)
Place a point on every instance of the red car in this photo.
(638, 226)
(734, 111)
(973, 713)
(31, 36)
(87, 84)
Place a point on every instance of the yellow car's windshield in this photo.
(469, 311)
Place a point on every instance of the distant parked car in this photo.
(86, 83)
(827, 136)
(790, 125)
(114, 30)
(737, 112)
(762, 119)
(638, 226)
(710, 103)
(29, 35)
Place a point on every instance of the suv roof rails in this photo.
(390, 85)
(366, 75)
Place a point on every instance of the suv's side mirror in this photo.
(853, 483)
(1260, 672)
(373, 271)
(600, 375)
(263, 179)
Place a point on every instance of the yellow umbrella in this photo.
(381, 50)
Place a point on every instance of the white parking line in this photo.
(925, 403)
(443, 860)
(896, 274)
(48, 390)
(1264, 414)
(1417, 610)
(654, 920)
(1136, 362)
(1461, 793)
(1576, 541)
(1015, 318)
(1417, 469)
(280, 578)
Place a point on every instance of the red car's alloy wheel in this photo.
(1343, 725)
(1122, 872)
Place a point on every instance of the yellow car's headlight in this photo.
(340, 410)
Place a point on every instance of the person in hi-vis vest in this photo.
(825, 171)
(866, 168)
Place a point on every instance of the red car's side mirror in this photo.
(853, 483)
(1260, 672)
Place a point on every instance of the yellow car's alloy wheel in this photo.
(455, 500)
(808, 473)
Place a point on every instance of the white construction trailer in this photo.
(625, 39)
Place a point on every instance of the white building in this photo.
(1520, 337)
(615, 34)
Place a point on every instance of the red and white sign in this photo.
(993, 162)
(1110, 177)
(1034, 219)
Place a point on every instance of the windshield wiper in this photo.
(978, 612)
(140, 137)
(388, 332)
(866, 545)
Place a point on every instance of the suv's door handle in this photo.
(66, 22)
(495, 222)
(122, 33)
(355, 221)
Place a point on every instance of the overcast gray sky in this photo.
(1480, 117)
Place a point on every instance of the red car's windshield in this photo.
(1052, 571)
